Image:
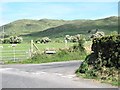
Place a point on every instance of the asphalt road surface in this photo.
(50, 75)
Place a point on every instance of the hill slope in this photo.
(58, 28)
(82, 27)
(26, 26)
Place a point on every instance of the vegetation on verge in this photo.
(103, 64)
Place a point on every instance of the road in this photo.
(50, 75)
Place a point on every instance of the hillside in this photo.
(26, 26)
(57, 28)
(82, 27)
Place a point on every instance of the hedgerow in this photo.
(104, 61)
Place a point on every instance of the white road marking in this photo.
(37, 73)
(5, 69)
(18, 71)
(58, 74)
(68, 76)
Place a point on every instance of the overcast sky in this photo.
(11, 11)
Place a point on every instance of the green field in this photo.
(23, 50)
(42, 47)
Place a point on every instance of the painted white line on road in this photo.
(37, 73)
(65, 76)
(17, 71)
(56, 74)
(68, 76)
(4, 69)
(59, 74)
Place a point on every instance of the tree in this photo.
(74, 38)
(67, 37)
(98, 34)
(43, 40)
(12, 40)
(15, 39)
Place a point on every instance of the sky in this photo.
(11, 11)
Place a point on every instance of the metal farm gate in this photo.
(14, 52)
(17, 52)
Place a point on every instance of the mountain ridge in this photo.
(59, 28)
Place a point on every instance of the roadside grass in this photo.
(112, 82)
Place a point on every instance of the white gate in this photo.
(13, 52)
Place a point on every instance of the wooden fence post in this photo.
(31, 48)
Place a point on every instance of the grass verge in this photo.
(45, 58)
(110, 81)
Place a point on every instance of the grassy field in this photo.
(42, 47)
(23, 50)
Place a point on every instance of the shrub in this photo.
(108, 50)
(105, 59)
(15, 39)
(83, 68)
(12, 40)
(98, 35)
(114, 33)
(43, 40)
(75, 38)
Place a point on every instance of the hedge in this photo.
(107, 50)
(104, 62)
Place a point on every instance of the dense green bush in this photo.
(12, 40)
(104, 61)
(98, 34)
(15, 39)
(43, 40)
(75, 38)
(107, 50)
(83, 68)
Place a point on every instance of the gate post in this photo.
(1, 59)
(31, 48)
